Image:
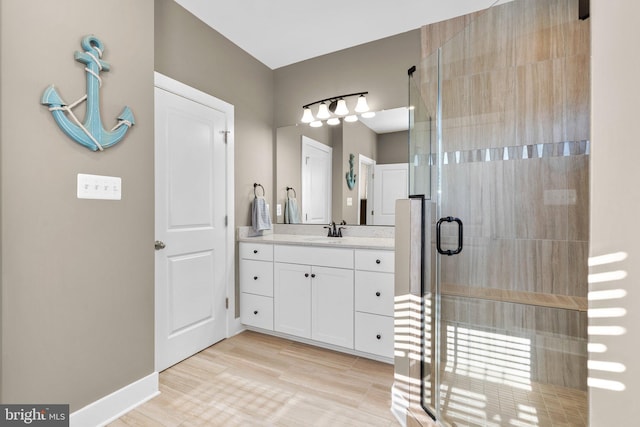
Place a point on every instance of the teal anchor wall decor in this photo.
(91, 134)
(351, 177)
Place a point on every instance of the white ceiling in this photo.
(283, 32)
(385, 121)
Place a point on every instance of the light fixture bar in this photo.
(334, 98)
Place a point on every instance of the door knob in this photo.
(159, 245)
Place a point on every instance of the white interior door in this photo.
(190, 208)
(390, 183)
(316, 182)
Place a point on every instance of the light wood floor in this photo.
(253, 379)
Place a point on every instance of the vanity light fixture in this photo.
(315, 124)
(333, 109)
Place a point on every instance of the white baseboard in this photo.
(116, 404)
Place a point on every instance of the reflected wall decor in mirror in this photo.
(380, 148)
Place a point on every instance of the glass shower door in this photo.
(422, 134)
(504, 304)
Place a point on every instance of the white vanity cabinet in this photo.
(313, 293)
(374, 296)
(331, 296)
(256, 285)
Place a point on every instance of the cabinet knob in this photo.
(306, 274)
(377, 294)
(255, 312)
(313, 275)
(378, 336)
(255, 277)
(255, 251)
(378, 261)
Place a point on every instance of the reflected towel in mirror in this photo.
(291, 211)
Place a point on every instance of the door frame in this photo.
(233, 325)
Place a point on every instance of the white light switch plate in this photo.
(349, 201)
(99, 187)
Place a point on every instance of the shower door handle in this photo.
(449, 252)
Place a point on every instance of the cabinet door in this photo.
(332, 306)
(292, 299)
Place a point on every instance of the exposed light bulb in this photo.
(323, 112)
(307, 115)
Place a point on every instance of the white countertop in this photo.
(384, 243)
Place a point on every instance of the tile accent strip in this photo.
(517, 152)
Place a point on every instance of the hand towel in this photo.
(260, 218)
(291, 211)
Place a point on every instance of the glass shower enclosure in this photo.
(499, 148)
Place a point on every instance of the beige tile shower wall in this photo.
(550, 358)
(527, 83)
(515, 87)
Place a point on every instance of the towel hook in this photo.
(292, 189)
(255, 184)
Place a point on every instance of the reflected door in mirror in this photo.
(316, 182)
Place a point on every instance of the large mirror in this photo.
(351, 172)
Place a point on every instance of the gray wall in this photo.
(379, 67)
(615, 67)
(77, 275)
(189, 51)
(393, 147)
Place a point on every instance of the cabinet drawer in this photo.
(374, 334)
(257, 251)
(256, 277)
(374, 260)
(374, 292)
(325, 257)
(256, 310)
